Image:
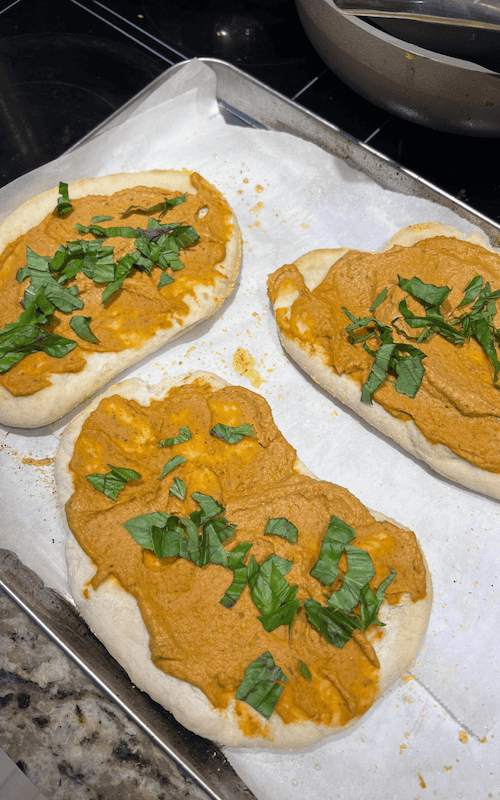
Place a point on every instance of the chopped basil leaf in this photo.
(304, 670)
(161, 207)
(81, 326)
(279, 526)
(141, 527)
(338, 534)
(378, 300)
(335, 626)
(209, 507)
(63, 203)
(235, 563)
(19, 339)
(39, 271)
(472, 291)
(100, 219)
(259, 687)
(172, 464)
(429, 295)
(169, 535)
(112, 482)
(178, 489)
(271, 592)
(405, 362)
(370, 602)
(164, 280)
(183, 436)
(99, 232)
(391, 358)
(359, 574)
(231, 435)
(337, 621)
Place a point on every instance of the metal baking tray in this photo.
(243, 101)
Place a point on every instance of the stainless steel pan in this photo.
(432, 88)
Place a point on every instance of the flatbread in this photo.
(67, 390)
(314, 268)
(114, 616)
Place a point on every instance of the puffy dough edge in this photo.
(314, 267)
(69, 390)
(114, 617)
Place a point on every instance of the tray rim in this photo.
(277, 112)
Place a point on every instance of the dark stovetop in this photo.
(68, 64)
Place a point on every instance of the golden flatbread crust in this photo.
(314, 266)
(69, 389)
(114, 617)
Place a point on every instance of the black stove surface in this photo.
(65, 66)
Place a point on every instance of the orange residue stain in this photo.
(422, 782)
(244, 364)
(463, 737)
(38, 462)
(257, 208)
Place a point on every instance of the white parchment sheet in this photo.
(433, 735)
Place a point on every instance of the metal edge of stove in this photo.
(199, 758)
(243, 100)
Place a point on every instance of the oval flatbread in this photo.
(136, 261)
(185, 648)
(432, 290)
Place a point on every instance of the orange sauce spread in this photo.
(193, 636)
(139, 309)
(457, 403)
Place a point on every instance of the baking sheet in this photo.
(291, 196)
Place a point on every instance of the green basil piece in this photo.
(391, 358)
(178, 489)
(379, 299)
(259, 687)
(81, 326)
(337, 535)
(272, 594)
(337, 620)
(117, 231)
(169, 535)
(209, 508)
(63, 203)
(141, 527)
(336, 627)
(114, 481)
(370, 602)
(230, 434)
(359, 574)
(304, 670)
(165, 280)
(429, 295)
(21, 338)
(174, 462)
(161, 207)
(280, 526)
(235, 563)
(184, 435)
(38, 270)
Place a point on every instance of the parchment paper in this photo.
(423, 738)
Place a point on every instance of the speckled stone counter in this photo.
(68, 737)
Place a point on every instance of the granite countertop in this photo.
(68, 737)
